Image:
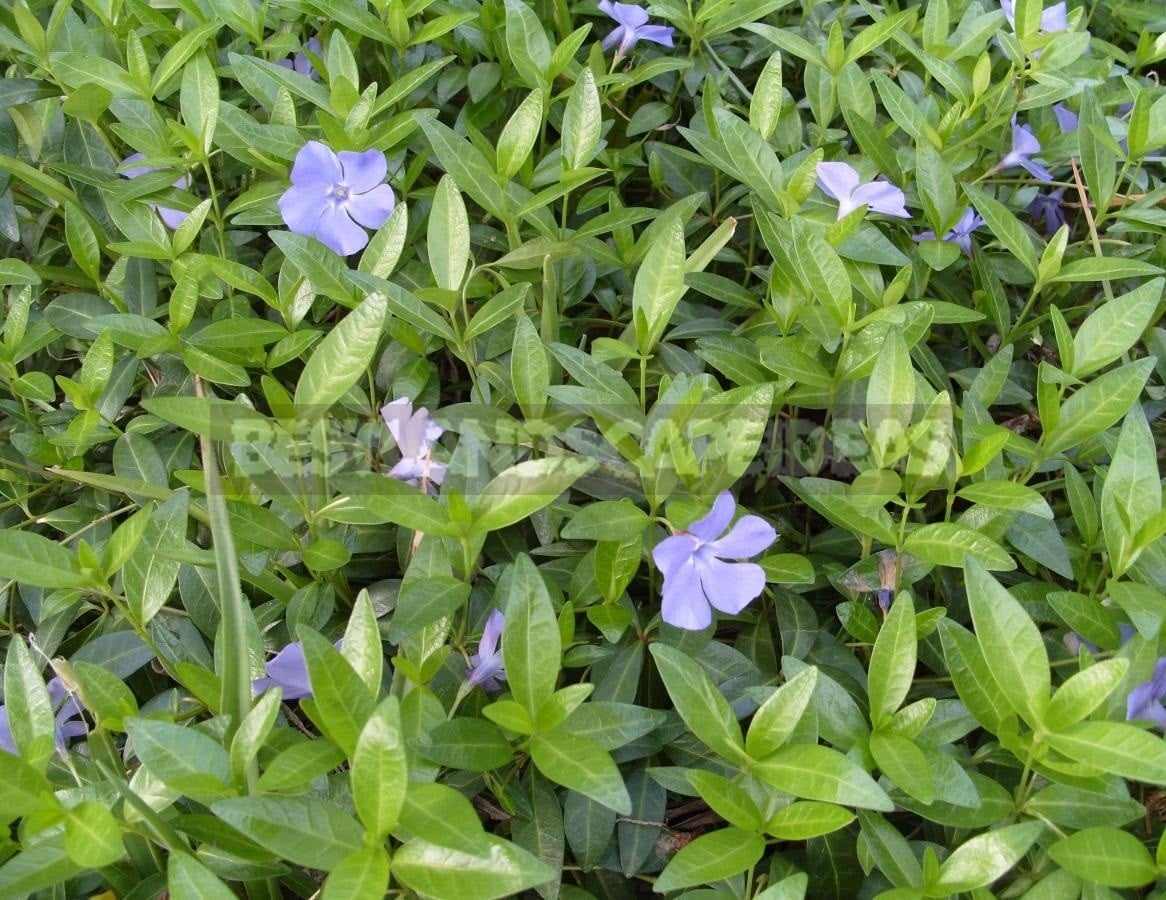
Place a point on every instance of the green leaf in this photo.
(251, 734)
(1004, 226)
(499, 869)
(980, 861)
(699, 702)
(524, 489)
(971, 675)
(448, 236)
(606, 520)
(765, 105)
(1114, 747)
(822, 271)
(341, 703)
(384, 250)
(379, 772)
(728, 800)
(148, 577)
(582, 122)
(658, 287)
(530, 371)
(23, 789)
(531, 644)
(1106, 856)
(369, 498)
(949, 544)
(779, 716)
(1132, 493)
(298, 765)
(1114, 327)
(1006, 495)
(903, 762)
(342, 357)
(306, 831)
(529, 49)
(582, 765)
(890, 851)
(188, 879)
(44, 864)
(1011, 640)
(475, 745)
(199, 98)
(711, 857)
(470, 169)
(438, 814)
(807, 819)
(183, 759)
(819, 773)
(892, 662)
(519, 135)
(1104, 269)
(1084, 692)
(92, 835)
(34, 560)
(1097, 406)
(362, 643)
(362, 875)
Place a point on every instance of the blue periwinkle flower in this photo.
(1067, 120)
(633, 27)
(486, 669)
(697, 575)
(289, 670)
(1024, 145)
(1053, 19)
(171, 218)
(301, 62)
(68, 725)
(960, 234)
(415, 433)
(1050, 208)
(1145, 700)
(841, 181)
(332, 195)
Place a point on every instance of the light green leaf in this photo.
(582, 121)
(1106, 856)
(778, 716)
(1114, 747)
(892, 662)
(188, 879)
(980, 861)
(519, 135)
(658, 287)
(306, 831)
(524, 489)
(92, 835)
(582, 765)
(379, 772)
(499, 869)
(1004, 226)
(1114, 327)
(819, 773)
(949, 544)
(34, 560)
(448, 236)
(181, 758)
(1097, 406)
(531, 644)
(700, 703)
(1084, 692)
(362, 875)
(711, 857)
(341, 358)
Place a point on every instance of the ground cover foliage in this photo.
(466, 449)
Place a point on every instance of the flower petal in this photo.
(837, 179)
(673, 552)
(882, 197)
(6, 741)
(491, 633)
(1009, 13)
(135, 171)
(750, 536)
(363, 171)
(316, 166)
(1055, 18)
(730, 587)
(1024, 142)
(302, 207)
(1067, 120)
(683, 602)
(171, 218)
(289, 670)
(396, 414)
(1036, 170)
(657, 34)
(337, 230)
(710, 527)
(372, 208)
(627, 14)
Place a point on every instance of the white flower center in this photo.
(340, 192)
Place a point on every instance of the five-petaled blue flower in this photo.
(1024, 145)
(633, 27)
(1055, 18)
(697, 576)
(485, 669)
(171, 218)
(1145, 700)
(1049, 207)
(841, 181)
(68, 721)
(289, 670)
(415, 433)
(333, 194)
(960, 233)
(302, 63)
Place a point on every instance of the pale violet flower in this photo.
(486, 668)
(1024, 145)
(1145, 700)
(960, 234)
(68, 724)
(698, 576)
(1053, 19)
(633, 27)
(841, 181)
(415, 433)
(289, 670)
(1067, 120)
(332, 195)
(171, 218)
(302, 63)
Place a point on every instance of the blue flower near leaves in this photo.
(289, 670)
(960, 234)
(841, 181)
(697, 575)
(1024, 145)
(68, 709)
(485, 669)
(1067, 120)
(415, 433)
(1145, 700)
(302, 63)
(171, 218)
(633, 27)
(1049, 207)
(332, 195)
(1053, 19)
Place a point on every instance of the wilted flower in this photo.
(1145, 700)
(961, 232)
(485, 669)
(171, 218)
(840, 181)
(633, 27)
(696, 573)
(1055, 18)
(333, 194)
(1066, 119)
(69, 723)
(301, 62)
(1049, 207)
(415, 433)
(1024, 145)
